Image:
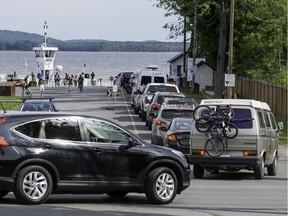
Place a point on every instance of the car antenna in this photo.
(3, 108)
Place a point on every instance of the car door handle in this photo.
(46, 146)
(96, 150)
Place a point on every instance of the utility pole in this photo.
(230, 59)
(194, 52)
(184, 81)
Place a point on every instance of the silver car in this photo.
(165, 116)
(155, 103)
(148, 92)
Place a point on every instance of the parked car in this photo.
(147, 93)
(155, 103)
(38, 104)
(177, 134)
(165, 116)
(46, 152)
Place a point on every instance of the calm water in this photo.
(104, 64)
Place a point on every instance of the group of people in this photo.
(70, 81)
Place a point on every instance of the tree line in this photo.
(259, 36)
(97, 46)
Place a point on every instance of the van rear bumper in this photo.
(223, 161)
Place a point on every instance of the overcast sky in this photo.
(121, 20)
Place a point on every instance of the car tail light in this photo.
(3, 119)
(155, 106)
(171, 137)
(160, 122)
(3, 142)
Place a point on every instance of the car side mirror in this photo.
(280, 125)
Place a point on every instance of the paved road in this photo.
(223, 194)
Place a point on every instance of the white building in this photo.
(203, 74)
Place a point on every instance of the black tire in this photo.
(272, 169)
(117, 194)
(3, 194)
(259, 170)
(202, 111)
(202, 125)
(214, 147)
(26, 191)
(198, 171)
(161, 186)
(230, 131)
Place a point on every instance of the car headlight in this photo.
(179, 153)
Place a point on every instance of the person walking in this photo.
(80, 83)
(41, 85)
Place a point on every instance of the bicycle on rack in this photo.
(215, 145)
(208, 119)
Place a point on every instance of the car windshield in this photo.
(160, 99)
(153, 89)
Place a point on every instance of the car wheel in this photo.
(3, 193)
(198, 171)
(161, 186)
(259, 170)
(117, 194)
(33, 185)
(272, 169)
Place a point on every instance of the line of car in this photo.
(158, 104)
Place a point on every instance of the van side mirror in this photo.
(280, 125)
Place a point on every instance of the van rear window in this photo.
(243, 118)
(145, 80)
(158, 79)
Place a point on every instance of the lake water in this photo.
(104, 64)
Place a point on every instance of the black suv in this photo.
(43, 153)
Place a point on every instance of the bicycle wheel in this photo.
(230, 131)
(214, 147)
(202, 111)
(202, 125)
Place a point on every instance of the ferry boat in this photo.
(45, 56)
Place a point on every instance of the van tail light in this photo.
(250, 153)
(160, 122)
(3, 142)
(200, 152)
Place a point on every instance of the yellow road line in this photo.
(129, 113)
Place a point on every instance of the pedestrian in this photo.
(80, 83)
(41, 85)
(70, 83)
(92, 78)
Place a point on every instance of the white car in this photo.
(147, 94)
